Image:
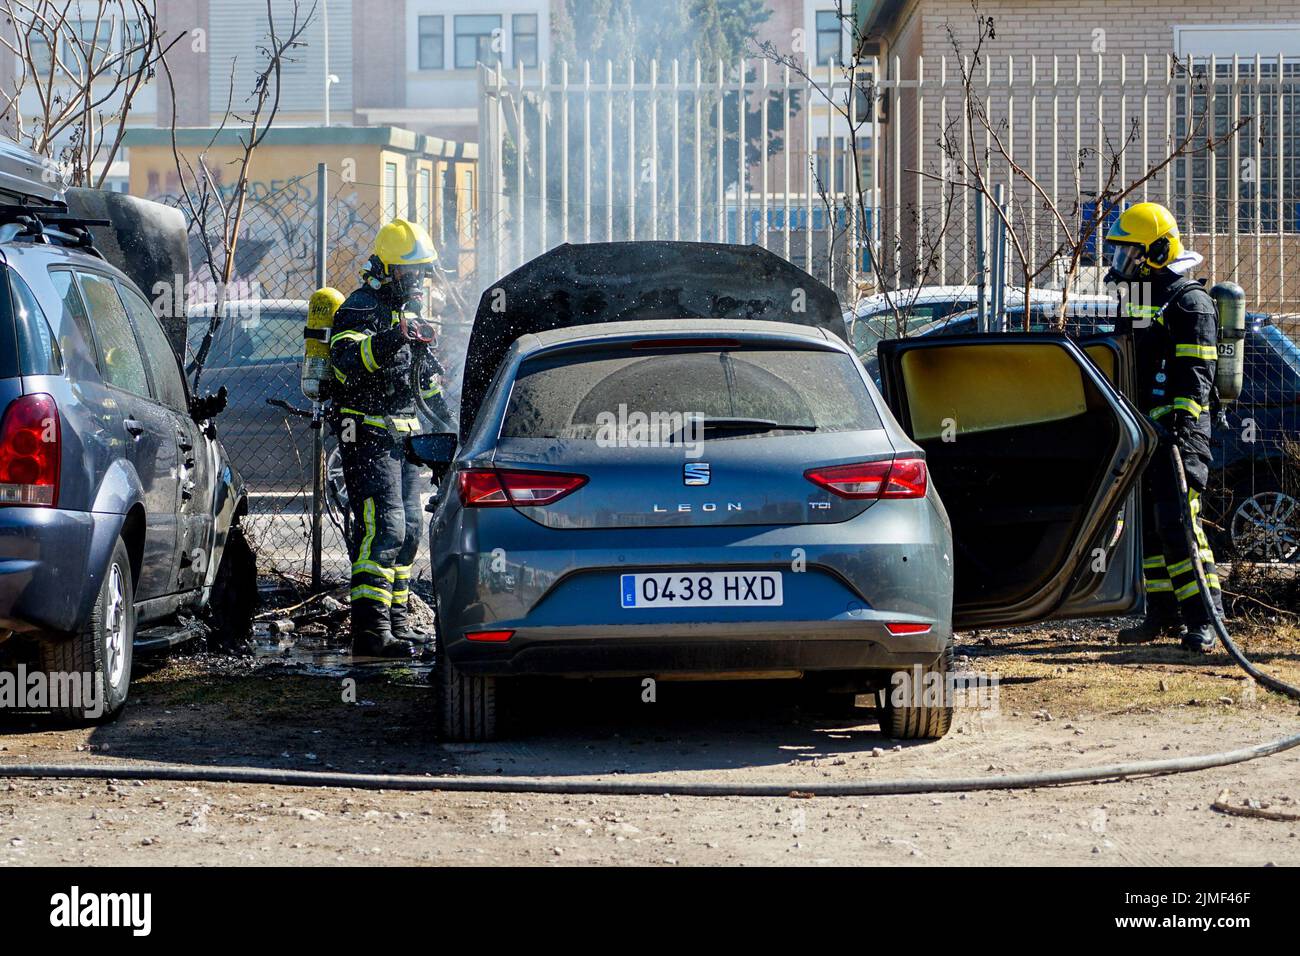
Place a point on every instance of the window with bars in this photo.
(424, 198)
(390, 191)
(1266, 188)
(447, 217)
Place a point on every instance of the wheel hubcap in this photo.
(336, 490)
(115, 625)
(1266, 527)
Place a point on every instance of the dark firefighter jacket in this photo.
(1176, 357)
(372, 361)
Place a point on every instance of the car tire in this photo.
(922, 721)
(1263, 521)
(466, 705)
(103, 647)
(233, 600)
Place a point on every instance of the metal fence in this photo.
(615, 155)
(606, 152)
(861, 176)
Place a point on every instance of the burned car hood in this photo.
(593, 283)
(146, 240)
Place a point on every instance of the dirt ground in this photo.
(1066, 698)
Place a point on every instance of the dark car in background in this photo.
(118, 510)
(1253, 502)
(257, 355)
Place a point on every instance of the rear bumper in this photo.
(559, 592)
(644, 650)
(51, 563)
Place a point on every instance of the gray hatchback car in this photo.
(639, 493)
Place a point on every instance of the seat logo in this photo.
(696, 473)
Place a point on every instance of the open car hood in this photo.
(593, 283)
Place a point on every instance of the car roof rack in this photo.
(33, 207)
(48, 222)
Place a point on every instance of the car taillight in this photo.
(899, 628)
(892, 478)
(30, 451)
(487, 488)
(491, 637)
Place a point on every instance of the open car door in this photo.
(1104, 588)
(1034, 453)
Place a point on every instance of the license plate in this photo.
(701, 589)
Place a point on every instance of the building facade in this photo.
(1193, 104)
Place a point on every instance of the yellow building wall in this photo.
(277, 243)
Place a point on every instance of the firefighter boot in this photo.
(1152, 628)
(399, 616)
(371, 634)
(1199, 639)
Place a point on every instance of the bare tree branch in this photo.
(216, 215)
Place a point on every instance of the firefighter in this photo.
(1175, 328)
(379, 336)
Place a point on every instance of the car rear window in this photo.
(268, 335)
(575, 396)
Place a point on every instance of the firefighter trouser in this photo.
(384, 495)
(1167, 572)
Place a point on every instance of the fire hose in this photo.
(861, 788)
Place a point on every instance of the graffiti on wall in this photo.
(276, 247)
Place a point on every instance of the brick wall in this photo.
(779, 29)
(1066, 27)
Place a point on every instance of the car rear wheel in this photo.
(466, 704)
(917, 716)
(1264, 524)
(102, 651)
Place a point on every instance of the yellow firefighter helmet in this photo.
(403, 243)
(1145, 237)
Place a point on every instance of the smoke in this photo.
(609, 174)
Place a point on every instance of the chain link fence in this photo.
(256, 354)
